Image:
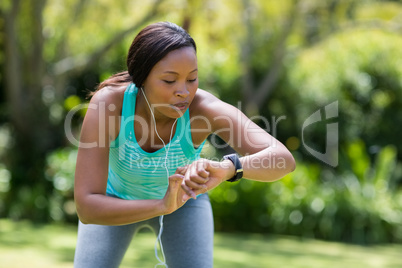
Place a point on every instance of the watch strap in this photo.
(234, 158)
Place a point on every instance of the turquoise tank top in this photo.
(137, 174)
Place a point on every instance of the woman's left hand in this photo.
(203, 175)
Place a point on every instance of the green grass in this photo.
(25, 245)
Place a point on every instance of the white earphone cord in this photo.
(159, 238)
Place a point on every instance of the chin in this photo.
(176, 113)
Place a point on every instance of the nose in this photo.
(182, 91)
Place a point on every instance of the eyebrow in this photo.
(172, 72)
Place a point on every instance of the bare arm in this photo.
(93, 206)
(264, 158)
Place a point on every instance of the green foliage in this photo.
(345, 51)
(361, 69)
(60, 171)
(317, 202)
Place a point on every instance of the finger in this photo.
(175, 181)
(176, 177)
(196, 175)
(188, 191)
(193, 185)
(181, 170)
(203, 190)
(200, 191)
(192, 180)
(201, 170)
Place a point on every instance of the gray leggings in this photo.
(187, 238)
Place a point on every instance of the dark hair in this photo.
(150, 45)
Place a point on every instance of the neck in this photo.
(162, 127)
(143, 109)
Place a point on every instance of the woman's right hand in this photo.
(175, 196)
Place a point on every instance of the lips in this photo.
(181, 105)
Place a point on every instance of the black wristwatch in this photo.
(238, 167)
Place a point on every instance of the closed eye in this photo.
(168, 82)
(192, 80)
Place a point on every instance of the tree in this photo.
(35, 85)
(255, 93)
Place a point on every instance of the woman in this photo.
(139, 160)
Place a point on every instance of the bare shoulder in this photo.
(110, 99)
(208, 105)
(205, 102)
(106, 103)
(209, 112)
(109, 95)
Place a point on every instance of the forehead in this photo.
(183, 59)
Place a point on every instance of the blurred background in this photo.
(278, 61)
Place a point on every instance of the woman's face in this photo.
(172, 83)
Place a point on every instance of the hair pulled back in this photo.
(151, 44)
